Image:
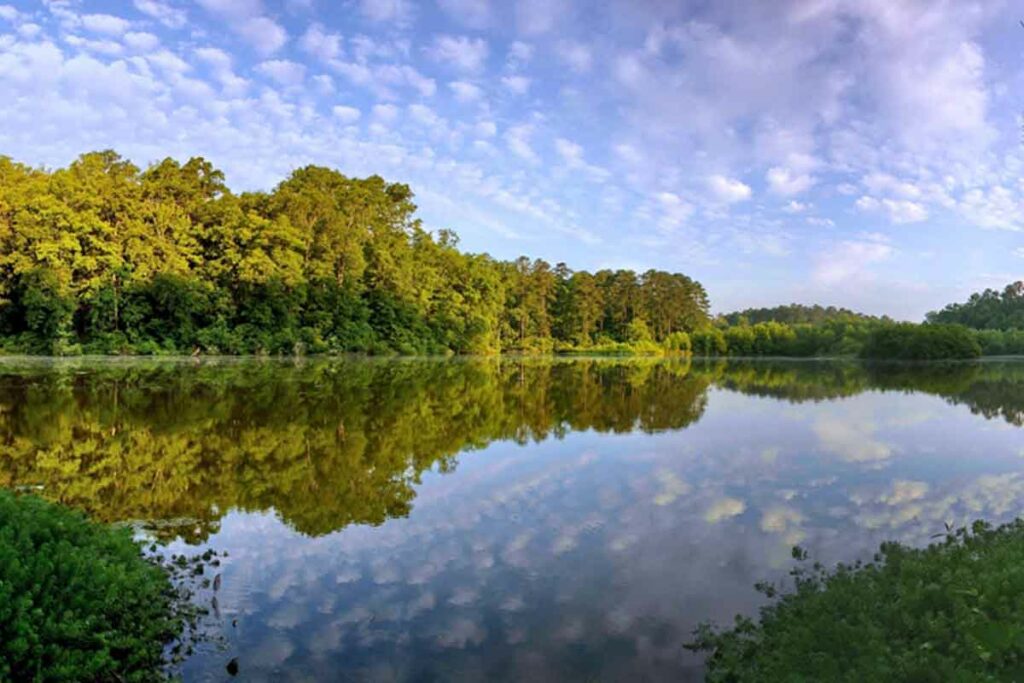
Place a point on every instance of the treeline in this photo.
(988, 310)
(794, 314)
(102, 257)
(864, 339)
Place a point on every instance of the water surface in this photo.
(507, 519)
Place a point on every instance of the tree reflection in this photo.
(328, 443)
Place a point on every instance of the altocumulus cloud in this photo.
(691, 136)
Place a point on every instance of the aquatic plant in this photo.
(953, 611)
(78, 601)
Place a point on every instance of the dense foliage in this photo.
(77, 600)
(866, 339)
(988, 310)
(793, 314)
(104, 257)
(950, 612)
(907, 341)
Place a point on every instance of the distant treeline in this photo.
(988, 310)
(103, 257)
(795, 314)
(989, 324)
(866, 339)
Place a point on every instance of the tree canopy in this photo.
(794, 314)
(988, 310)
(105, 257)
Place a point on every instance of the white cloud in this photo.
(996, 207)
(106, 24)
(577, 56)
(465, 92)
(283, 71)
(785, 182)
(628, 153)
(346, 114)
(849, 261)
(883, 183)
(516, 84)
(264, 34)
(853, 440)
(486, 129)
(246, 18)
(324, 84)
(221, 66)
(424, 115)
(724, 508)
(674, 211)
(517, 138)
(728, 190)
(899, 210)
(472, 13)
(394, 11)
(795, 207)
(385, 112)
(321, 44)
(540, 16)
(463, 53)
(141, 41)
(8, 13)
(519, 54)
(105, 47)
(905, 211)
(165, 13)
(570, 152)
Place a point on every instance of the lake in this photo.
(513, 519)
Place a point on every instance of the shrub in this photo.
(677, 342)
(77, 600)
(906, 341)
(709, 341)
(950, 612)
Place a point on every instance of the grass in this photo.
(78, 601)
(953, 611)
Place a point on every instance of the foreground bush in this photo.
(78, 602)
(951, 612)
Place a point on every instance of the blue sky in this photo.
(861, 153)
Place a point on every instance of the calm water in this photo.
(507, 520)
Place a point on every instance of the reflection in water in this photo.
(326, 444)
(617, 503)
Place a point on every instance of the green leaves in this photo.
(168, 260)
(950, 612)
(77, 599)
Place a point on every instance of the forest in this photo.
(987, 310)
(795, 314)
(103, 257)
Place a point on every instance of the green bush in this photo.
(677, 342)
(906, 341)
(78, 602)
(709, 341)
(951, 612)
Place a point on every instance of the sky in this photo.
(861, 153)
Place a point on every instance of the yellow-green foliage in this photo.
(104, 257)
